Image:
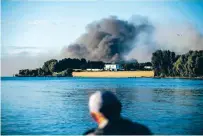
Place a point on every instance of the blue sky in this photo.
(42, 27)
(48, 26)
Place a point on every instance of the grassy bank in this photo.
(115, 74)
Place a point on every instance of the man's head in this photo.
(104, 104)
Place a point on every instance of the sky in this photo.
(33, 31)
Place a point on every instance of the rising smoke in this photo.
(111, 39)
(108, 40)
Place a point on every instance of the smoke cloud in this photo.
(111, 39)
(108, 40)
(179, 38)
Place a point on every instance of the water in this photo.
(59, 105)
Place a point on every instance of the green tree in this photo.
(162, 62)
(49, 66)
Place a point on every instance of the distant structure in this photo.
(148, 67)
(112, 67)
(94, 69)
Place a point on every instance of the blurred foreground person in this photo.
(105, 109)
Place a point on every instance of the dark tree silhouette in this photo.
(166, 63)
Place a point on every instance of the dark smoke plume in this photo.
(108, 40)
(112, 40)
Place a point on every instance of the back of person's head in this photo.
(105, 109)
(105, 103)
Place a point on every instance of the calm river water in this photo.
(60, 105)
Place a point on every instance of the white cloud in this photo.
(23, 51)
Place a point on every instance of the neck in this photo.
(103, 123)
(114, 118)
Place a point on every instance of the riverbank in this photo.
(114, 74)
(197, 78)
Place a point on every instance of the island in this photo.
(164, 64)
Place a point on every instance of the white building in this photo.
(112, 67)
(148, 67)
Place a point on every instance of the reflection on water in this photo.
(60, 105)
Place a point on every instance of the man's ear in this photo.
(98, 117)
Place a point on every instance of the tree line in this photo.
(66, 66)
(62, 67)
(135, 66)
(167, 64)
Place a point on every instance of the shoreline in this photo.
(187, 78)
(116, 74)
(197, 78)
(126, 74)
